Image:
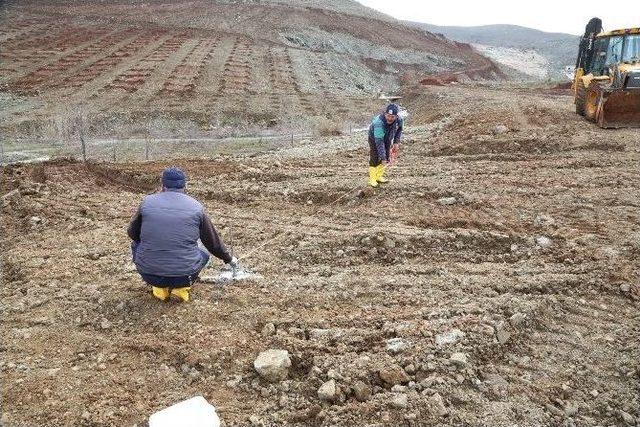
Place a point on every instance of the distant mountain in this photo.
(526, 52)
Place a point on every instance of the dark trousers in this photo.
(374, 159)
(170, 281)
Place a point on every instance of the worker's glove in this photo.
(393, 154)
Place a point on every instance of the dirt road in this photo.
(501, 262)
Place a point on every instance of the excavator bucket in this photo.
(620, 109)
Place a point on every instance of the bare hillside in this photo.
(224, 64)
(529, 53)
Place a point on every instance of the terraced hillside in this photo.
(215, 64)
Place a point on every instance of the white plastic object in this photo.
(194, 412)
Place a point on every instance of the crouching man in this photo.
(165, 232)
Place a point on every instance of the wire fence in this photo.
(146, 149)
(83, 148)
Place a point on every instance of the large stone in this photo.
(542, 220)
(497, 386)
(447, 201)
(11, 196)
(396, 345)
(400, 401)
(518, 319)
(273, 365)
(502, 333)
(499, 129)
(268, 329)
(543, 241)
(437, 406)
(394, 375)
(459, 360)
(362, 391)
(449, 337)
(328, 391)
(319, 334)
(628, 418)
(571, 409)
(389, 243)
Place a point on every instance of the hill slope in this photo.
(541, 54)
(216, 64)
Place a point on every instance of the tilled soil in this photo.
(493, 282)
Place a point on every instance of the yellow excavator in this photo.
(606, 83)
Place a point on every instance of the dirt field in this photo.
(503, 261)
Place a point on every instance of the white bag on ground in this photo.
(194, 412)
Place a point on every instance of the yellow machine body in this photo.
(607, 87)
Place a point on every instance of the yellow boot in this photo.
(373, 174)
(161, 293)
(182, 293)
(380, 176)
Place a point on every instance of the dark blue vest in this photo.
(169, 235)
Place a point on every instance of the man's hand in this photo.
(393, 154)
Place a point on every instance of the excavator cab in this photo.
(606, 83)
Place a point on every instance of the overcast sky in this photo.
(562, 16)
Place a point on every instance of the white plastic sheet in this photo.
(194, 412)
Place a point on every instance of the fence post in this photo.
(83, 144)
(146, 149)
(292, 138)
(114, 151)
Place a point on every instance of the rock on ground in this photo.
(449, 337)
(393, 375)
(459, 359)
(328, 391)
(400, 401)
(273, 365)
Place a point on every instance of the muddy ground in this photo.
(501, 262)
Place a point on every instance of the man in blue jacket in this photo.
(384, 132)
(165, 232)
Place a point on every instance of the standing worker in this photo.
(385, 134)
(165, 232)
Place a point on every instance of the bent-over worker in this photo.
(385, 131)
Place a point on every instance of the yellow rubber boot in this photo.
(373, 174)
(182, 293)
(380, 177)
(161, 293)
